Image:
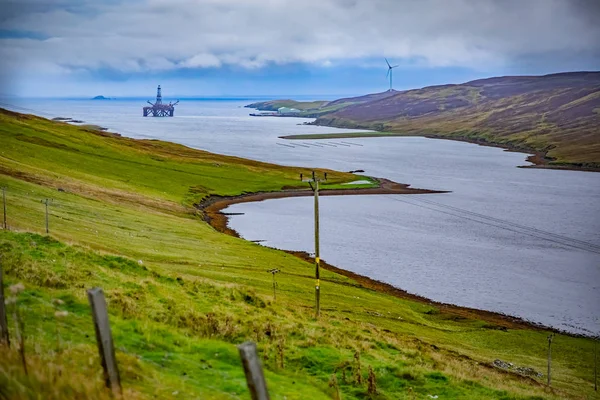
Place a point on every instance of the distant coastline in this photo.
(554, 117)
(537, 158)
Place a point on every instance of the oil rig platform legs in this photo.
(158, 109)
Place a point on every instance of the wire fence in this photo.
(502, 224)
(248, 353)
(104, 340)
(92, 209)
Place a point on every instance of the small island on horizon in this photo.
(101, 98)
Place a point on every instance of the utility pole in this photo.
(4, 207)
(46, 202)
(274, 271)
(550, 337)
(315, 189)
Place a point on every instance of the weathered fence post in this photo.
(4, 224)
(104, 338)
(550, 337)
(4, 338)
(254, 373)
(47, 202)
(274, 271)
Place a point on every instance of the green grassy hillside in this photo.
(181, 294)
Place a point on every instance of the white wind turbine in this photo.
(389, 72)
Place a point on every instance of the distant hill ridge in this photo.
(556, 115)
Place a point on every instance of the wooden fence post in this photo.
(47, 202)
(550, 337)
(104, 338)
(274, 271)
(254, 373)
(4, 338)
(4, 224)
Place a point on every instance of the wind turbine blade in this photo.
(395, 66)
(388, 63)
(388, 73)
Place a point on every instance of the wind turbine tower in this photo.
(389, 72)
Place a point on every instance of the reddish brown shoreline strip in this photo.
(212, 207)
(214, 204)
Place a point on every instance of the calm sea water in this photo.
(524, 242)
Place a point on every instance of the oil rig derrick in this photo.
(158, 109)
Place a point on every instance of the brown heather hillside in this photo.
(558, 115)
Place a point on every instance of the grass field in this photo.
(181, 294)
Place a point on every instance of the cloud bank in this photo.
(61, 37)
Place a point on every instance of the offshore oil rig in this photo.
(158, 109)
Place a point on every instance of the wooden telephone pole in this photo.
(4, 207)
(315, 189)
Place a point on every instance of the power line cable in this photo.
(508, 227)
(524, 227)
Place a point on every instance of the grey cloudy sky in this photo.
(74, 44)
